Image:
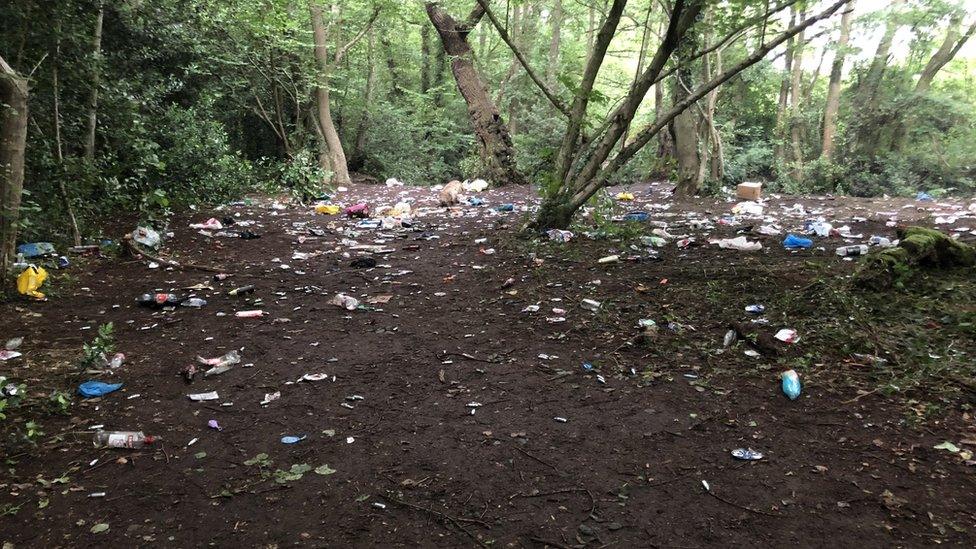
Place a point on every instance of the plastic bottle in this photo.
(158, 300)
(123, 439)
(194, 302)
(852, 251)
(242, 290)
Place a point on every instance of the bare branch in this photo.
(645, 135)
(560, 106)
(341, 52)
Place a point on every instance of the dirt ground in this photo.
(634, 453)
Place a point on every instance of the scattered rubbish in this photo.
(123, 439)
(852, 251)
(787, 335)
(560, 419)
(636, 217)
(36, 249)
(947, 446)
(315, 377)
(158, 301)
(748, 208)
(194, 302)
(94, 389)
(477, 186)
(791, 384)
(505, 208)
(625, 196)
(747, 454)
(212, 224)
(924, 197)
(609, 259)
(242, 290)
(327, 209)
(755, 309)
(254, 313)
(291, 439)
(30, 280)
(214, 425)
(881, 242)
(590, 305)
(360, 211)
(557, 235)
(7, 354)
(270, 397)
(348, 303)
(748, 191)
(146, 236)
(793, 242)
(221, 364)
(203, 397)
(738, 243)
(729, 339)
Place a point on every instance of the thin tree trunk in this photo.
(424, 57)
(495, 144)
(359, 144)
(396, 89)
(717, 154)
(13, 141)
(833, 88)
(58, 146)
(552, 68)
(96, 73)
(779, 150)
(796, 100)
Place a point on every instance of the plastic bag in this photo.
(36, 249)
(791, 384)
(93, 389)
(327, 209)
(146, 236)
(30, 280)
(793, 242)
(625, 196)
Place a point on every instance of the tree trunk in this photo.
(779, 150)
(13, 140)
(96, 73)
(833, 88)
(337, 157)
(552, 68)
(495, 144)
(796, 99)
(685, 127)
(424, 58)
(868, 98)
(58, 146)
(359, 144)
(717, 153)
(665, 144)
(954, 41)
(396, 90)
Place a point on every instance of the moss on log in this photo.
(919, 247)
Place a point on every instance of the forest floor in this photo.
(640, 454)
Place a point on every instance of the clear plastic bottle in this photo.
(194, 302)
(851, 251)
(123, 439)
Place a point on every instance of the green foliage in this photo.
(94, 354)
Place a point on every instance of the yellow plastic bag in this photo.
(30, 280)
(327, 209)
(625, 196)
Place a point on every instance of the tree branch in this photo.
(6, 68)
(560, 106)
(644, 136)
(341, 52)
(472, 21)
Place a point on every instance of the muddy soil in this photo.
(477, 423)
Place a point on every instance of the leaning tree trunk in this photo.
(13, 140)
(833, 88)
(337, 157)
(494, 141)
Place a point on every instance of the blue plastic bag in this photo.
(92, 389)
(923, 197)
(505, 208)
(791, 384)
(793, 242)
(475, 201)
(636, 216)
(35, 249)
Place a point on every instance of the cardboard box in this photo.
(749, 191)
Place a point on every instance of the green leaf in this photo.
(260, 459)
(99, 528)
(43, 503)
(200, 455)
(947, 446)
(324, 470)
